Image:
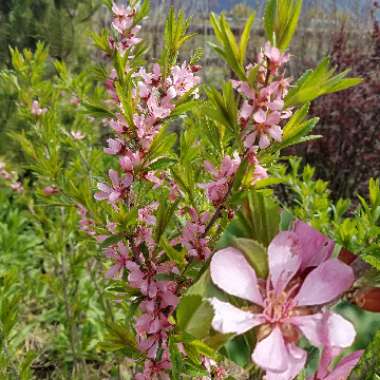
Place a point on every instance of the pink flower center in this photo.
(277, 307)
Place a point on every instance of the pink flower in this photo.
(122, 18)
(342, 371)
(145, 214)
(115, 146)
(142, 280)
(217, 190)
(266, 127)
(174, 192)
(275, 57)
(50, 190)
(77, 135)
(182, 80)
(147, 128)
(119, 125)
(145, 235)
(152, 78)
(244, 89)
(120, 256)
(259, 173)
(37, 110)
(131, 160)
(75, 101)
(155, 370)
(246, 111)
(192, 236)
(86, 224)
(17, 187)
(287, 302)
(159, 110)
(129, 40)
(117, 191)
(153, 178)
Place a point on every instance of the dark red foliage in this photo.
(349, 152)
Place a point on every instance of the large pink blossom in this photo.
(288, 303)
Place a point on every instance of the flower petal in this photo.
(114, 176)
(229, 319)
(260, 116)
(338, 331)
(271, 353)
(284, 259)
(100, 196)
(231, 272)
(311, 327)
(325, 283)
(346, 365)
(264, 141)
(316, 248)
(296, 362)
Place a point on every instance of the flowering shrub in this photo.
(202, 264)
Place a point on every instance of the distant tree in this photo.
(61, 24)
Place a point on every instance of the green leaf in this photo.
(318, 82)
(244, 39)
(203, 349)
(228, 48)
(120, 338)
(175, 358)
(175, 35)
(96, 111)
(280, 21)
(222, 107)
(369, 365)
(239, 351)
(162, 163)
(205, 288)
(164, 215)
(194, 316)
(255, 253)
(114, 239)
(177, 256)
(259, 220)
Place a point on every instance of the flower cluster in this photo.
(124, 24)
(193, 235)
(302, 279)
(10, 178)
(217, 190)
(154, 95)
(37, 110)
(263, 107)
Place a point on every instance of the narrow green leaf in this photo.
(244, 39)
